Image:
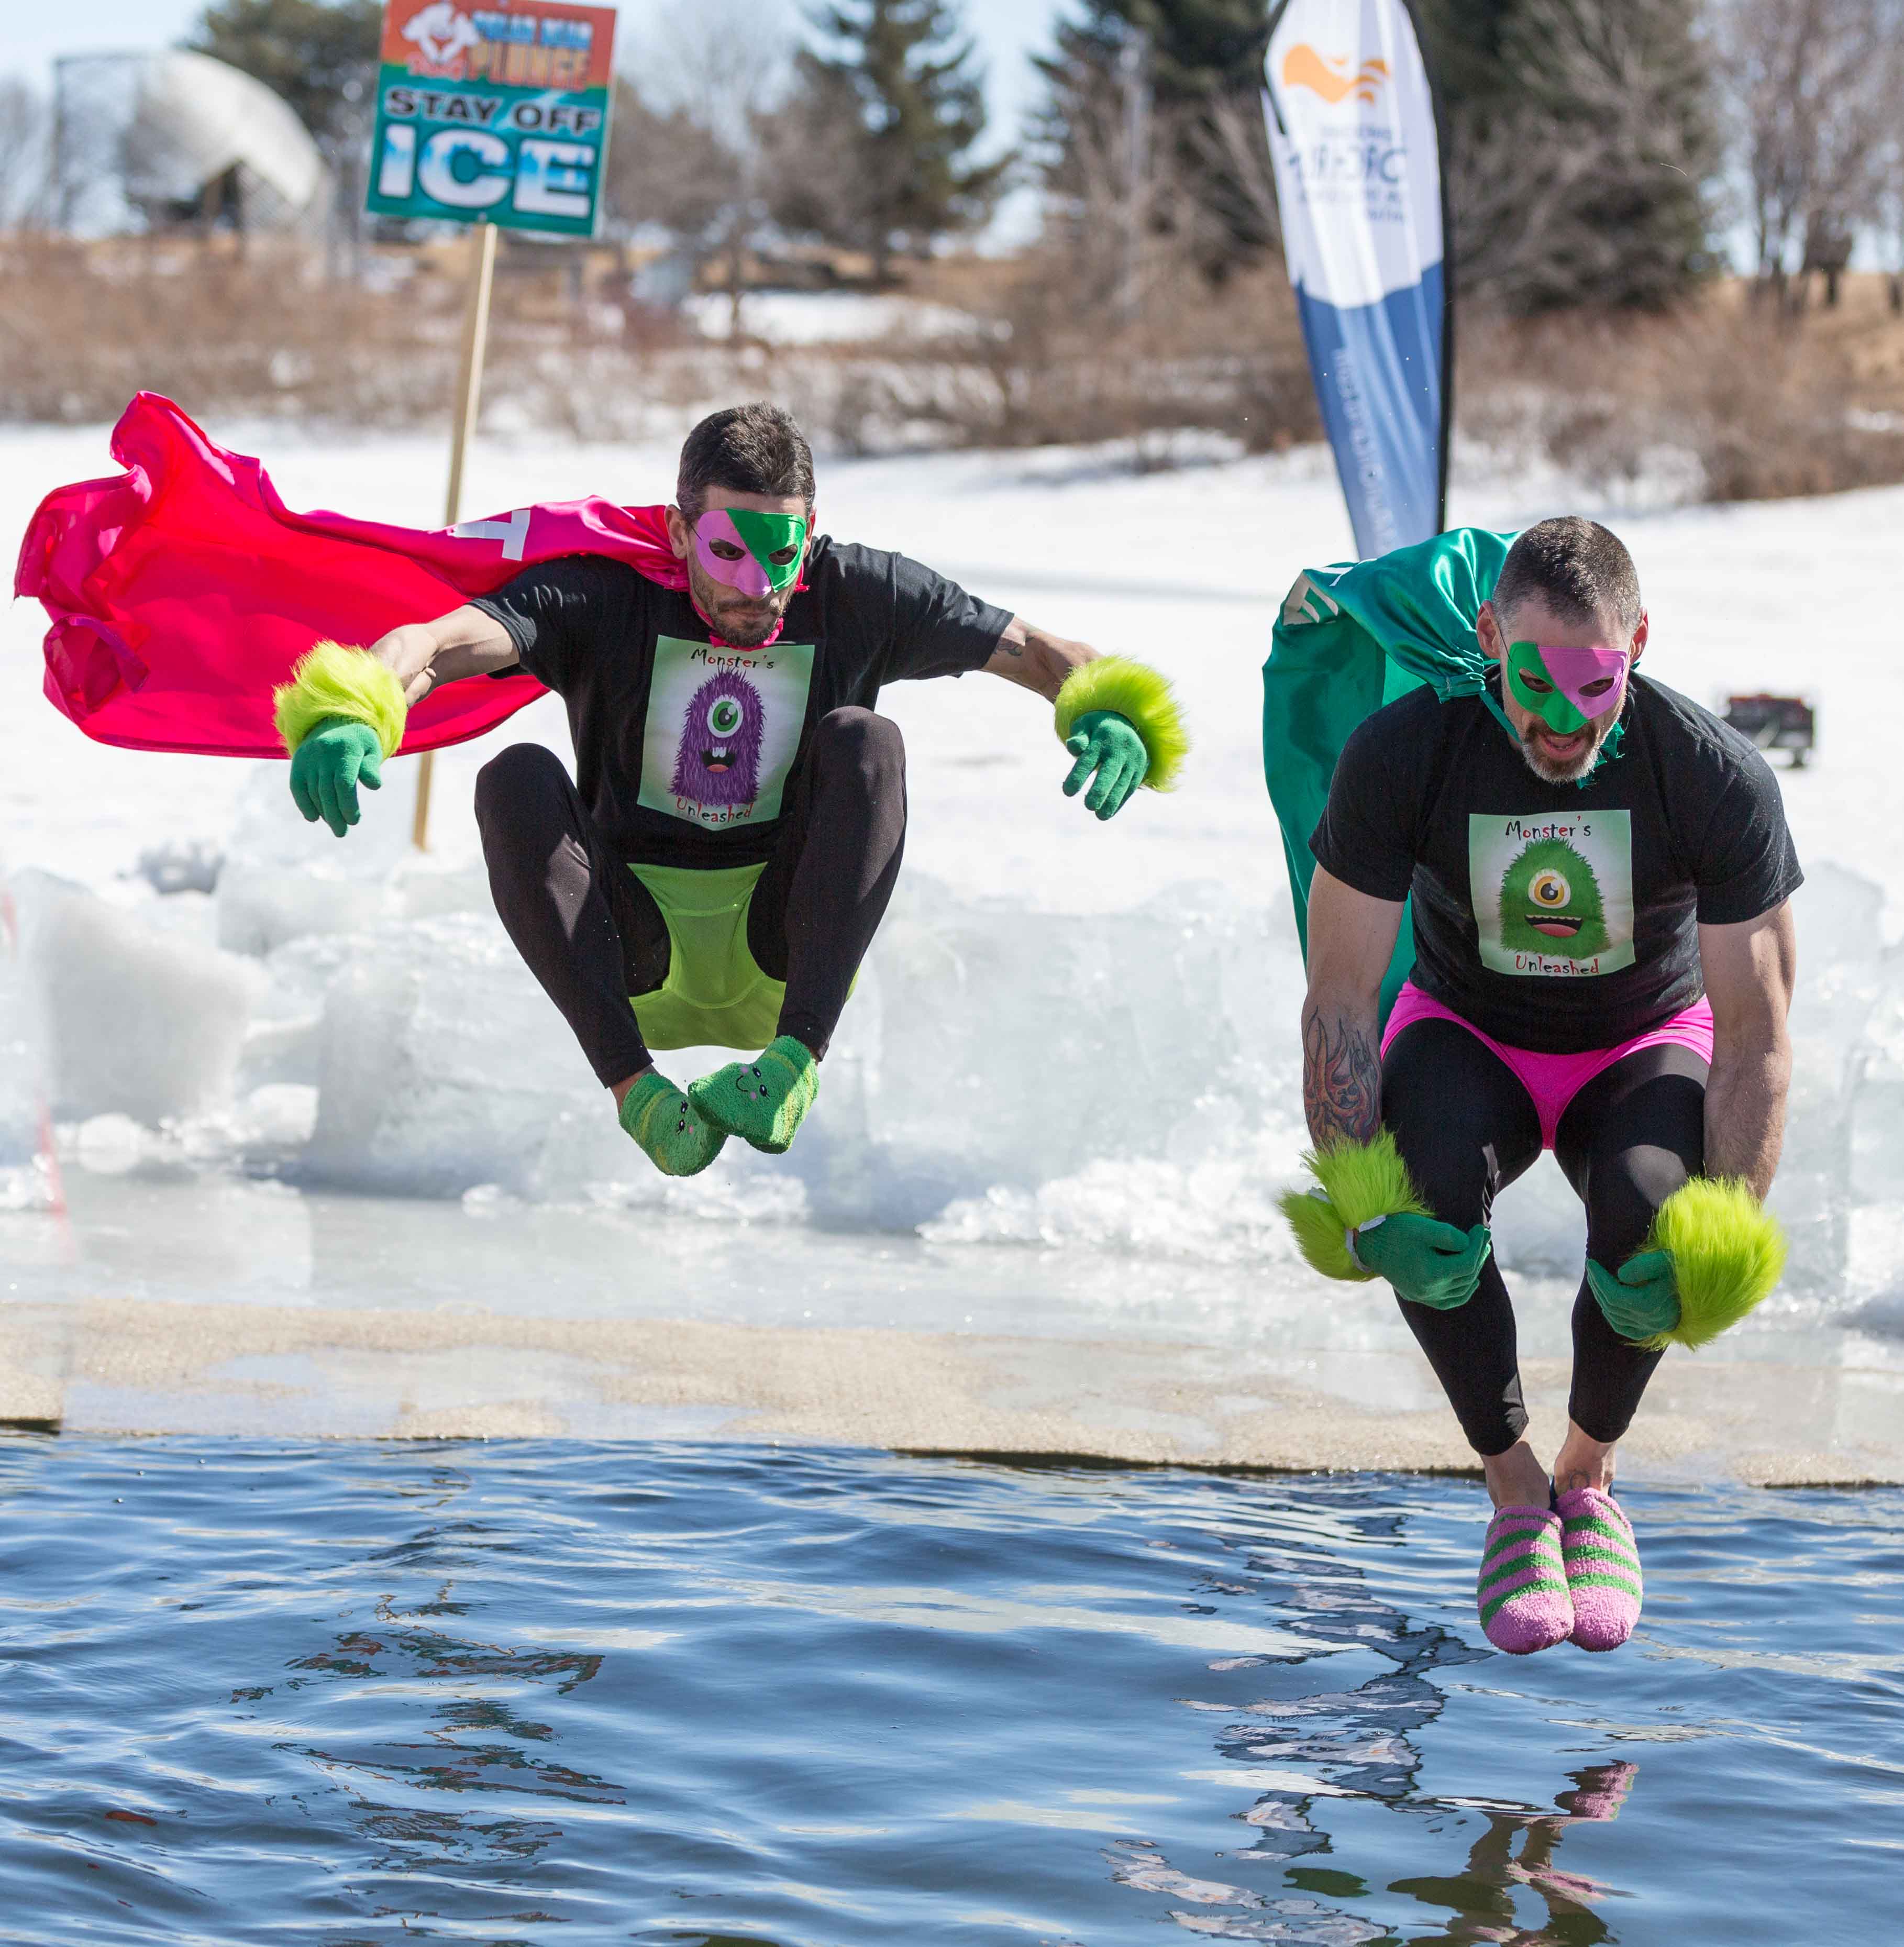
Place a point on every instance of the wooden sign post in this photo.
(497, 117)
(475, 342)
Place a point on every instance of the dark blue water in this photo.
(566, 1694)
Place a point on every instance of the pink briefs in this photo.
(1553, 1080)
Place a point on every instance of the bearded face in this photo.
(744, 566)
(1563, 685)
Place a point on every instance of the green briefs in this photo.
(715, 995)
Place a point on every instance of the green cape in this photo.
(1349, 639)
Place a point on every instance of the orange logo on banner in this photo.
(1328, 76)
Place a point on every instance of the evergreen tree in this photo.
(1655, 203)
(1583, 146)
(1582, 137)
(1197, 48)
(1462, 40)
(904, 85)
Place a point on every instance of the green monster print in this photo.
(1550, 904)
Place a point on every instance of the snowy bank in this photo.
(1072, 1042)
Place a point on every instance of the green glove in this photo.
(677, 1141)
(327, 767)
(1428, 1262)
(764, 1100)
(1104, 741)
(1643, 1301)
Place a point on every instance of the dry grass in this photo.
(83, 327)
(1738, 399)
(1065, 366)
(1727, 399)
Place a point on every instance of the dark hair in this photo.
(754, 449)
(1580, 569)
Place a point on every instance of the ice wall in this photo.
(131, 1012)
(20, 1081)
(353, 1015)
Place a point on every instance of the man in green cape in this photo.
(1544, 904)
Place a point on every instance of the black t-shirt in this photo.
(683, 752)
(1561, 917)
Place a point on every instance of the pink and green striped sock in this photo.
(1522, 1590)
(1602, 1564)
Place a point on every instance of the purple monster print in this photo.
(718, 759)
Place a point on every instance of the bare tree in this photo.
(813, 158)
(1104, 191)
(25, 136)
(669, 170)
(1233, 136)
(1811, 92)
(1127, 188)
(1889, 211)
(689, 148)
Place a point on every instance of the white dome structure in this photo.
(171, 125)
(196, 119)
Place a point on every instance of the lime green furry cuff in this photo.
(1143, 698)
(334, 681)
(1727, 1252)
(1358, 1182)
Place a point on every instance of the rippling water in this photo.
(706, 1694)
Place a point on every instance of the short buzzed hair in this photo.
(1580, 569)
(752, 449)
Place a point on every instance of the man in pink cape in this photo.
(715, 871)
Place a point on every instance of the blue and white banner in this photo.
(1358, 179)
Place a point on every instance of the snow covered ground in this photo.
(829, 317)
(1069, 1035)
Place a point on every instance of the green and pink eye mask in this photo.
(757, 554)
(1566, 687)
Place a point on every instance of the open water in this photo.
(702, 1695)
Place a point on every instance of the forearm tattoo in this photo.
(1342, 1079)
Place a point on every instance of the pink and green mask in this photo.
(1566, 687)
(763, 552)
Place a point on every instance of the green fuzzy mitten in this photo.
(1356, 1182)
(1640, 1302)
(1111, 757)
(1428, 1262)
(1714, 1252)
(764, 1100)
(1366, 1219)
(677, 1140)
(328, 766)
(1119, 719)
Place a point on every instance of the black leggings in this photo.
(1466, 1127)
(592, 934)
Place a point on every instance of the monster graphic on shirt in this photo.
(1552, 896)
(723, 729)
(1550, 903)
(717, 761)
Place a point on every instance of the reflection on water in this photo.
(1333, 1745)
(1480, 1899)
(698, 1695)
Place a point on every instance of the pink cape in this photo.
(183, 591)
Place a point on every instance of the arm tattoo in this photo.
(1341, 1080)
